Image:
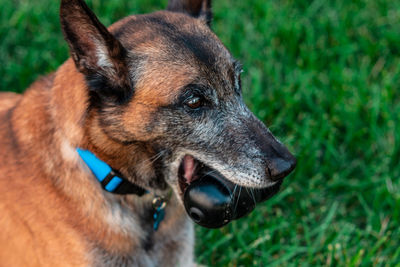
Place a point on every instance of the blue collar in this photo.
(110, 180)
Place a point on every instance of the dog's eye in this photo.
(194, 102)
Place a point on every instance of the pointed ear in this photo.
(96, 52)
(196, 8)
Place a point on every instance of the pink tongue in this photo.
(188, 164)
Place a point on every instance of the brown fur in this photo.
(45, 222)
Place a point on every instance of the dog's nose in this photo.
(278, 168)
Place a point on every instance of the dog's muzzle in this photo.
(212, 201)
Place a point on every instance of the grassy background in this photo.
(325, 76)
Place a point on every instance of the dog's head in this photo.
(165, 91)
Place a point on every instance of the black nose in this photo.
(279, 168)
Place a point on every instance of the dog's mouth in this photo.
(211, 200)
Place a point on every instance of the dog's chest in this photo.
(171, 245)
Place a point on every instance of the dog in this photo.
(97, 158)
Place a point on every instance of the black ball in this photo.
(212, 201)
(208, 202)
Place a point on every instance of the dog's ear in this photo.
(197, 8)
(96, 52)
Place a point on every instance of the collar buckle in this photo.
(159, 204)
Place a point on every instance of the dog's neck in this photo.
(61, 129)
(111, 180)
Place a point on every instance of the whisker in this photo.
(209, 172)
(237, 201)
(155, 157)
(234, 191)
(253, 196)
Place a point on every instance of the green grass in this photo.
(325, 76)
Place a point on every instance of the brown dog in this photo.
(158, 98)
